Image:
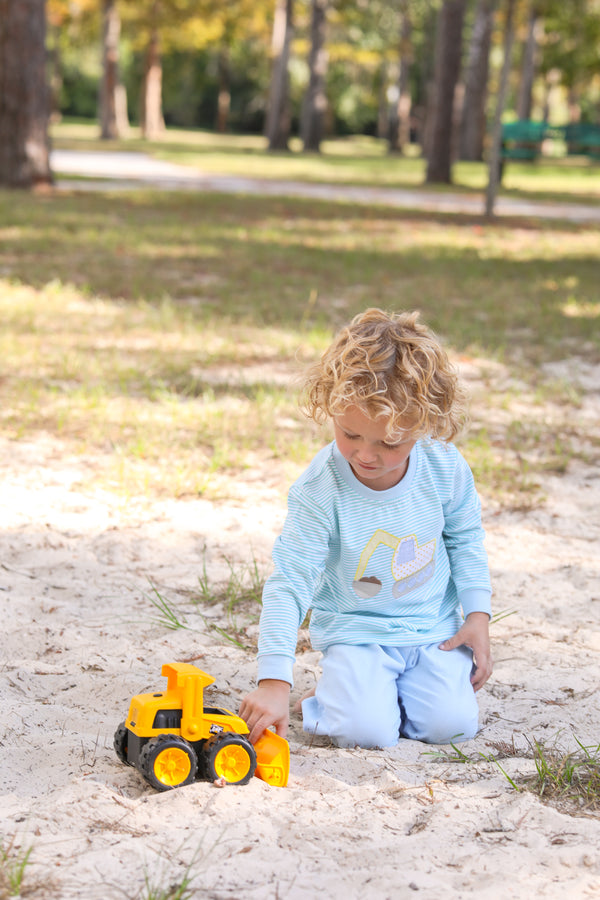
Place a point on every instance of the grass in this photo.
(357, 160)
(13, 864)
(568, 780)
(159, 336)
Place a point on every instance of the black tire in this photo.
(231, 757)
(168, 762)
(120, 743)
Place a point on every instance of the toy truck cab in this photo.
(172, 738)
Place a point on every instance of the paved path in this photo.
(124, 170)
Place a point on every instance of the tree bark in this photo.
(315, 100)
(447, 69)
(528, 70)
(152, 120)
(278, 124)
(111, 92)
(494, 160)
(399, 126)
(224, 98)
(473, 120)
(24, 94)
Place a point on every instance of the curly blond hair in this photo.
(392, 366)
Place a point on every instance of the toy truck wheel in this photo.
(230, 757)
(168, 762)
(120, 743)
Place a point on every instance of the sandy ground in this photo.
(81, 637)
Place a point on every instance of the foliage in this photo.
(363, 48)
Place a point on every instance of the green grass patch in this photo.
(355, 160)
(161, 335)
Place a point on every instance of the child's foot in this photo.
(297, 708)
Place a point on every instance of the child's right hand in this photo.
(268, 704)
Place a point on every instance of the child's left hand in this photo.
(475, 633)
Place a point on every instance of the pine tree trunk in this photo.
(528, 71)
(152, 120)
(109, 86)
(473, 122)
(447, 69)
(278, 122)
(399, 128)
(24, 94)
(315, 100)
(224, 99)
(494, 160)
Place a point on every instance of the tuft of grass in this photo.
(13, 863)
(570, 780)
(167, 615)
(241, 596)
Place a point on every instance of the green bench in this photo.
(582, 139)
(522, 140)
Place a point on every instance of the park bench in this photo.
(582, 139)
(522, 140)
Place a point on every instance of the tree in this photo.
(447, 69)
(151, 117)
(399, 124)
(473, 125)
(24, 94)
(278, 123)
(494, 160)
(113, 104)
(529, 65)
(315, 99)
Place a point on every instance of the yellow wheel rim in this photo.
(172, 766)
(232, 763)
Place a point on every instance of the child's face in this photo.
(378, 461)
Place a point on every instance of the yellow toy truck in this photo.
(173, 739)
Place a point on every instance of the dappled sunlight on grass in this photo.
(162, 334)
(359, 160)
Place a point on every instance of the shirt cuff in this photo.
(277, 666)
(476, 600)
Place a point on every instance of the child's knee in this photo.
(444, 725)
(349, 728)
(365, 731)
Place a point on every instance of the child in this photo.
(383, 541)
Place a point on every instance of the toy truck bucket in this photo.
(272, 759)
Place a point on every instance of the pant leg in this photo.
(356, 700)
(437, 696)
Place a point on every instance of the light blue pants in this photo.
(370, 696)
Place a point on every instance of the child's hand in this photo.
(268, 705)
(475, 633)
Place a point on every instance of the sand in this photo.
(81, 636)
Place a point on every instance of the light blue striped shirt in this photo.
(390, 567)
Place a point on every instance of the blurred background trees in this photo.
(423, 74)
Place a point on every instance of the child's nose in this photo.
(367, 453)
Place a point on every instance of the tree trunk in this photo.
(528, 70)
(494, 160)
(111, 92)
(152, 120)
(472, 126)
(447, 69)
(278, 122)
(224, 98)
(399, 127)
(24, 94)
(315, 100)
